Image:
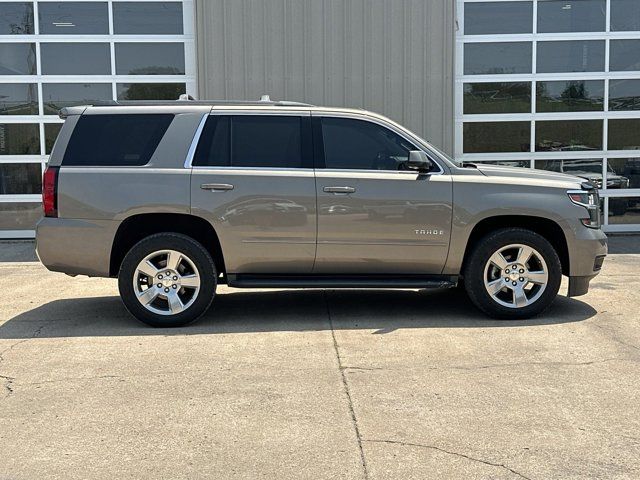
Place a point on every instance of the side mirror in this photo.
(420, 161)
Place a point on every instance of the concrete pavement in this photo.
(318, 384)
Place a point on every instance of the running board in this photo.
(341, 281)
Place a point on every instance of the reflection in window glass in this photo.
(503, 17)
(570, 96)
(626, 168)
(58, 95)
(17, 59)
(75, 58)
(571, 16)
(571, 56)
(68, 18)
(20, 178)
(19, 216)
(624, 95)
(497, 97)
(497, 137)
(624, 211)
(506, 163)
(625, 15)
(18, 99)
(497, 58)
(16, 18)
(568, 135)
(150, 91)
(19, 139)
(150, 58)
(51, 131)
(588, 168)
(623, 134)
(624, 55)
(147, 18)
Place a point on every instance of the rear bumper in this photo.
(76, 247)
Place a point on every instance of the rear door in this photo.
(252, 178)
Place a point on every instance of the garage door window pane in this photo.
(624, 95)
(489, 137)
(627, 168)
(623, 134)
(20, 178)
(19, 216)
(17, 59)
(561, 136)
(75, 59)
(19, 139)
(504, 17)
(51, 131)
(497, 58)
(571, 56)
(625, 15)
(147, 18)
(18, 99)
(16, 18)
(497, 98)
(68, 18)
(58, 95)
(624, 211)
(571, 16)
(625, 55)
(150, 58)
(150, 91)
(571, 96)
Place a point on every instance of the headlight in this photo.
(590, 200)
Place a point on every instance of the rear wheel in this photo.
(167, 280)
(513, 273)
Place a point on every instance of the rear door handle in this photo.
(339, 190)
(217, 187)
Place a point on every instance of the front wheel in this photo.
(167, 280)
(513, 273)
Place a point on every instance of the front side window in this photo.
(361, 145)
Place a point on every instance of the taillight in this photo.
(50, 192)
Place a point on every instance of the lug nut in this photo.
(174, 286)
(515, 283)
(515, 267)
(159, 285)
(507, 271)
(160, 276)
(506, 279)
(521, 279)
(521, 270)
(167, 290)
(175, 279)
(168, 273)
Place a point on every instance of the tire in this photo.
(169, 301)
(486, 271)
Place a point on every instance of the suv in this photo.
(175, 198)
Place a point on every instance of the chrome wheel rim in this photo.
(516, 276)
(166, 282)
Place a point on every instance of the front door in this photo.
(374, 215)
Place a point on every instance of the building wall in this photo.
(392, 57)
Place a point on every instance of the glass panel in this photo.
(16, 18)
(58, 95)
(497, 98)
(497, 137)
(624, 211)
(18, 99)
(628, 169)
(503, 17)
(506, 163)
(568, 135)
(147, 18)
(623, 134)
(624, 95)
(17, 59)
(266, 141)
(75, 58)
(19, 139)
(20, 178)
(214, 146)
(51, 131)
(570, 96)
(571, 16)
(625, 15)
(571, 56)
(150, 58)
(68, 18)
(588, 168)
(150, 91)
(19, 216)
(497, 58)
(624, 55)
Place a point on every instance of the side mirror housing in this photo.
(420, 161)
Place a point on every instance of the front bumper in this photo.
(586, 256)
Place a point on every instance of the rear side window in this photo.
(251, 141)
(116, 140)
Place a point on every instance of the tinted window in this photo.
(147, 18)
(623, 134)
(149, 58)
(65, 18)
(497, 58)
(18, 99)
(58, 95)
(571, 56)
(362, 145)
(75, 58)
(16, 18)
(624, 95)
(17, 59)
(504, 17)
(150, 91)
(625, 15)
(19, 139)
(106, 140)
(214, 148)
(625, 55)
(570, 96)
(486, 137)
(571, 16)
(568, 135)
(497, 98)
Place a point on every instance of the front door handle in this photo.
(217, 187)
(339, 190)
